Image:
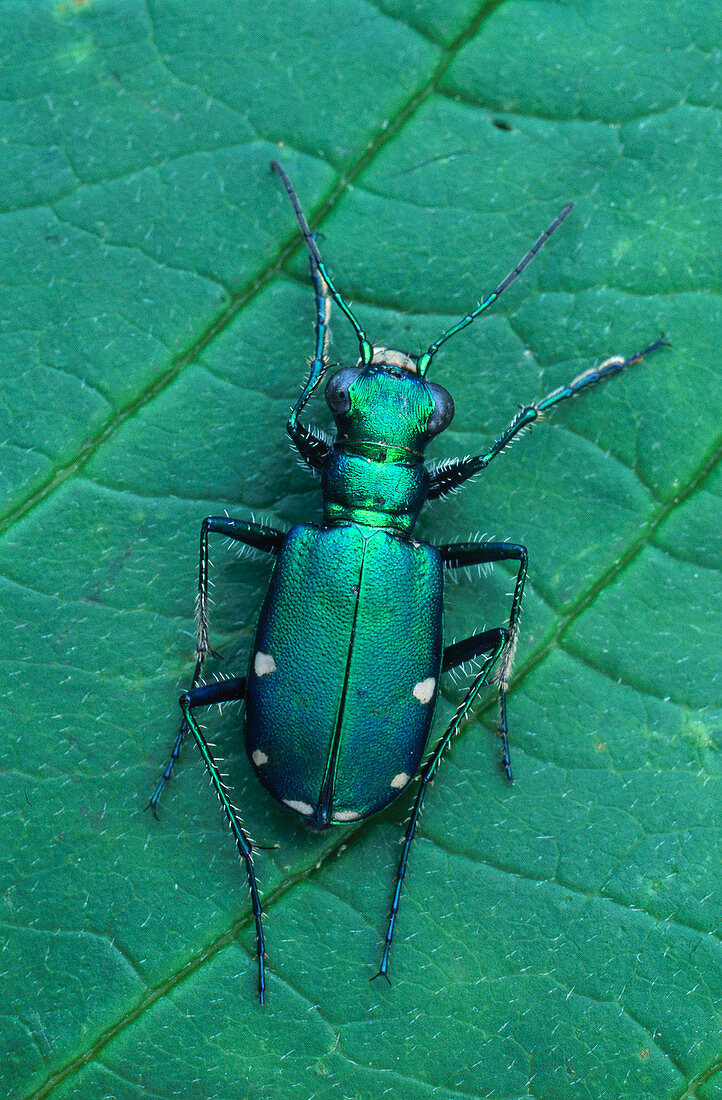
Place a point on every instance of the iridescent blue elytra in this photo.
(351, 586)
(344, 668)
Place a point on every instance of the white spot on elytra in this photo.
(259, 758)
(424, 690)
(263, 664)
(400, 780)
(346, 815)
(299, 807)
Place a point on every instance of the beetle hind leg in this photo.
(499, 646)
(492, 642)
(222, 692)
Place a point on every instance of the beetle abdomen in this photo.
(344, 670)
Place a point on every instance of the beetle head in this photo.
(386, 401)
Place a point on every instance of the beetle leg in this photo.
(496, 640)
(231, 690)
(252, 534)
(458, 653)
(462, 554)
(225, 691)
(313, 449)
(450, 475)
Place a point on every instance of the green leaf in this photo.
(558, 938)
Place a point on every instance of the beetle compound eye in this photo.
(338, 397)
(443, 412)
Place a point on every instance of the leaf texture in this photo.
(559, 938)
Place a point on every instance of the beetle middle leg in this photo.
(252, 534)
(223, 692)
(449, 475)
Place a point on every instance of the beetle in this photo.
(345, 664)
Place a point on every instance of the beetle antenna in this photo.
(425, 360)
(366, 350)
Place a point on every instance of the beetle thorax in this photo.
(385, 414)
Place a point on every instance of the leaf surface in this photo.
(558, 938)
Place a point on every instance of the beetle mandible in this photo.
(348, 650)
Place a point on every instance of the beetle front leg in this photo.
(461, 554)
(450, 475)
(494, 642)
(222, 692)
(252, 534)
(313, 449)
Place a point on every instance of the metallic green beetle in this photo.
(345, 664)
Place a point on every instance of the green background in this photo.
(557, 939)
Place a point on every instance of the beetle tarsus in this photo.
(152, 805)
